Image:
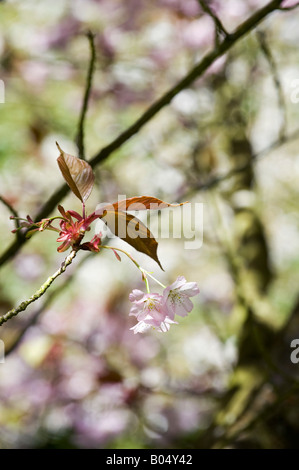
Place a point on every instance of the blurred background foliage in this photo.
(74, 375)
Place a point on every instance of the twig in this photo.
(219, 28)
(14, 213)
(39, 311)
(245, 28)
(80, 133)
(23, 305)
(281, 101)
(9, 207)
(11, 210)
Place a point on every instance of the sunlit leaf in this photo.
(138, 203)
(133, 231)
(77, 173)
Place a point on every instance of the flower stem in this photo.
(144, 278)
(146, 283)
(143, 271)
(154, 279)
(125, 252)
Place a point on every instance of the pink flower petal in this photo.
(182, 307)
(136, 295)
(190, 289)
(180, 281)
(140, 327)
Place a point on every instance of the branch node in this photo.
(220, 30)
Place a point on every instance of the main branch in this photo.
(23, 305)
(228, 42)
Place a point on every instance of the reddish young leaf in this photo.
(77, 173)
(143, 203)
(133, 231)
(117, 255)
(63, 213)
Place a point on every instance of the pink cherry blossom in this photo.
(147, 305)
(150, 311)
(140, 327)
(157, 311)
(177, 297)
(143, 326)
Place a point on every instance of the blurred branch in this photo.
(267, 357)
(248, 295)
(239, 169)
(219, 28)
(68, 260)
(229, 41)
(271, 409)
(80, 133)
(281, 101)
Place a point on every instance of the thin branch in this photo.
(38, 312)
(9, 207)
(281, 100)
(35, 316)
(80, 133)
(219, 28)
(23, 305)
(245, 28)
(14, 213)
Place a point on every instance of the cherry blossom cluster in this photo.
(158, 311)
